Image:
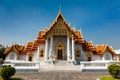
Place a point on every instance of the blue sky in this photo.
(99, 20)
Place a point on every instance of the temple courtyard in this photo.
(60, 75)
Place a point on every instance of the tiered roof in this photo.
(90, 46)
(87, 46)
(101, 49)
(40, 39)
(31, 46)
(19, 49)
(79, 37)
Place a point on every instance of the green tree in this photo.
(114, 70)
(7, 72)
(2, 50)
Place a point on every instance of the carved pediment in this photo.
(59, 27)
(59, 24)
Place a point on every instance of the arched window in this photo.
(77, 53)
(107, 56)
(89, 56)
(30, 57)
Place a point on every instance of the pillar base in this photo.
(71, 62)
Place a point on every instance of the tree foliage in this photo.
(114, 70)
(7, 72)
(2, 50)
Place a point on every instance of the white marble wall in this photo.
(11, 56)
(97, 57)
(107, 56)
(34, 55)
(21, 57)
(83, 54)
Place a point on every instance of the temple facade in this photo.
(60, 42)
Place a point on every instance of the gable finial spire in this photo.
(60, 9)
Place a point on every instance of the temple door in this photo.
(60, 54)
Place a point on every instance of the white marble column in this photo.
(46, 50)
(51, 48)
(38, 52)
(103, 57)
(68, 48)
(15, 56)
(26, 57)
(73, 50)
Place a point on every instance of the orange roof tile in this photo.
(111, 50)
(29, 46)
(40, 39)
(8, 50)
(40, 34)
(101, 49)
(79, 37)
(24, 51)
(35, 45)
(16, 48)
(90, 46)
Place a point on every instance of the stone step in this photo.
(55, 67)
(60, 62)
(58, 65)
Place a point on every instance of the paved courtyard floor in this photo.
(60, 75)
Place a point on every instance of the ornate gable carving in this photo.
(59, 27)
(59, 24)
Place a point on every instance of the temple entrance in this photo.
(60, 54)
(30, 58)
(59, 51)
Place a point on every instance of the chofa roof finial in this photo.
(60, 9)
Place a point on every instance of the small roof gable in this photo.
(79, 37)
(19, 49)
(90, 46)
(101, 49)
(40, 34)
(40, 39)
(35, 45)
(111, 50)
(29, 46)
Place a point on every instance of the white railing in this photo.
(23, 65)
(96, 65)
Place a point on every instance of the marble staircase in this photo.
(58, 65)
